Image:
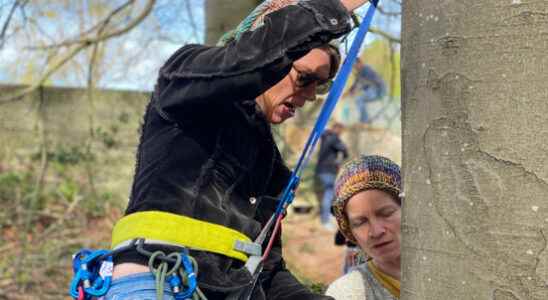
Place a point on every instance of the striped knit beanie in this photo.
(360, 174)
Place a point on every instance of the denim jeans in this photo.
(139, 286)
(328, 182)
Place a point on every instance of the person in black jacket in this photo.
(208, 171)
(331, 153)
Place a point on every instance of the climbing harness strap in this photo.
(182, 231)
(93, 272)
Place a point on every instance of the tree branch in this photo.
(388, 13)
(101, 24)
(8, 20)
(386, 35)
(81, 45)
(191, 19)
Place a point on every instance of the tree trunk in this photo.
(475, 149)
(224, 15)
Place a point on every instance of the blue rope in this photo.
(332, 99)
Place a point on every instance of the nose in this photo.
(376, 230)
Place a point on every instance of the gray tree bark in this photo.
(475, 149)
(224, 15)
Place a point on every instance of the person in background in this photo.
(331, 153)
(367, 87)
(368, 211)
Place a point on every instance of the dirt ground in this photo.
(309, 249)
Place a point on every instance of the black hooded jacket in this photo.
(207, 151)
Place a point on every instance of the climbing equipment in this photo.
(183, 231)
(93, 272)
(93, 269)
(92, 275)
(254, 263)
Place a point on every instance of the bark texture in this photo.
(475, 149)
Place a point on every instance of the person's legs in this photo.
(328, 181)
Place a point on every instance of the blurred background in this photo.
(75, 76)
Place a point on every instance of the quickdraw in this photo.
(93, 272)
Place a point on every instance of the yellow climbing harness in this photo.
(167, 228)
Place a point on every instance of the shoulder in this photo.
(349, 286)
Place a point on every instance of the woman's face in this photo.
(375, 218)
(281, 101)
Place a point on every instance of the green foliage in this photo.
(65, 155)
(123, 117)
(13, 185)
(108, 137)
(377, 54)
(69, 189)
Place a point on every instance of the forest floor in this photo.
(309, 249)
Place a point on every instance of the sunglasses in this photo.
(305, 79)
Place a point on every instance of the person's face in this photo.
(281, 101)
(375, 219)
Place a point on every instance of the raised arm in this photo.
(203, 77)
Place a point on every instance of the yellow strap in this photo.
(388, 282)
(177, 229)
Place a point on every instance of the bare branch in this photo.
(385, 34)
(101, 24)
(8, 20)
(191, 18)
(82, 44)
(388, 13)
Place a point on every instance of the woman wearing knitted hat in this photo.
(368, 211)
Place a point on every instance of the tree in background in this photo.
(225, 15)
(475, 114)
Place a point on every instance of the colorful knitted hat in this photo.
(360, 174)
(255, 19)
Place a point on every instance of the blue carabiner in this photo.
(191, 277)
(89, 275)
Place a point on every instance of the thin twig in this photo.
(82, 44)
(191, 19)
(388, 13)
(6, 24)
(79, 39)
(385, 34)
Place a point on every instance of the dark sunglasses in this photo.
(305, 79)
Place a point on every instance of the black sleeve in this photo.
(198, 76)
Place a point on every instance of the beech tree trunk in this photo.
(475, 149)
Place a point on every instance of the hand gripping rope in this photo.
(254, 263)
